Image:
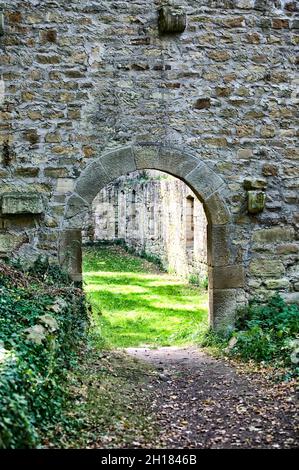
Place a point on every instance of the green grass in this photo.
(135, 304)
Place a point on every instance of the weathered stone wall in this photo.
(151, 212)
(80, 78)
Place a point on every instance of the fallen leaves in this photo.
(204, 403)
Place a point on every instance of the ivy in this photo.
(33, 374)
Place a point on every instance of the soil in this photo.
(202, 402)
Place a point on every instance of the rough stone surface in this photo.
(256, 201)
(228, 277)
(273, 235)
(10, 242)
(266, 268)
(80, 80)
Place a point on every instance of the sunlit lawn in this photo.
(136, 305)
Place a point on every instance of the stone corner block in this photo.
(223, 304)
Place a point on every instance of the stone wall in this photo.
(153, 213)
(82, 78)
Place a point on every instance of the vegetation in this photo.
(263, 333)
(196, 280)
(135, 304)
(48, 362)
(41, 328)
(121, 243)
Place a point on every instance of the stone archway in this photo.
(226, 278)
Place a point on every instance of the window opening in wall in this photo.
(190, 223)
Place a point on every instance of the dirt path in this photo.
(201, 402)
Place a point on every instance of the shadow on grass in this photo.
(141, 308)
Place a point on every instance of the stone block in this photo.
(70, 253)
(219, 252)
(268, 132)
(291, 297)
(253, 183)
(263, 267)
(18, 222)
(219, 55)
(244, 154)
(273, 235)
(227, 277)
(202, 103)
(287, 249)
(256, 202)
(204, 181)
(223, 305)
(277, 284)
(22, 203)
(65, 185)
(27, 172)
(76, 207)
(56, 172)
(53, 138)
(164, 159)
(91, 181)
(10, 242)
(118, 162)
(269, 170)
(217, 211)
(172, 20)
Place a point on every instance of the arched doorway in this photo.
(226, 277)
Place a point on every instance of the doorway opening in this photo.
(226, 271)
(145, 261)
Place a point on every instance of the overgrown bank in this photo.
(43, 320)
(263, 333)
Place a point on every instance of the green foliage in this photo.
(152, 259)
(120, 242)
(33, 373)
(194, 279)
(266, 332)
(142, 254)
(197, 280)
(263, 333)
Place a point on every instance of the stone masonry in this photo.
(153, 213)
(92, 90)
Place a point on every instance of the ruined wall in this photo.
(83, 77)
(153, 213)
